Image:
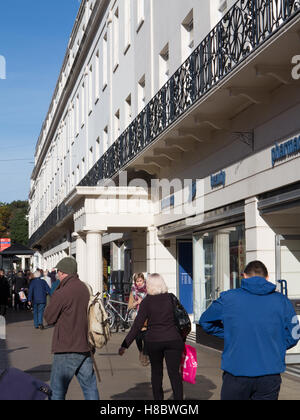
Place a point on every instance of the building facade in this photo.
(171, 145)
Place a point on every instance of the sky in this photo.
(34, 35)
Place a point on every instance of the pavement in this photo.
(122, 378)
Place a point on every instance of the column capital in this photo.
(151, 228)
(94, 231)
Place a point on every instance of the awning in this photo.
(16, 249)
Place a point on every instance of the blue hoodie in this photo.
(257, 325)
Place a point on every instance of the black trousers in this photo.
(246, 388)
(140, 342)
(171, 351)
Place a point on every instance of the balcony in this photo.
(237, 64)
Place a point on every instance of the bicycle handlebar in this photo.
(109, 299)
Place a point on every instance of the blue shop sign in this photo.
(168, 202)
(286, 149)
(193, 191)
(218, 179)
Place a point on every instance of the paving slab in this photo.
(122, 378)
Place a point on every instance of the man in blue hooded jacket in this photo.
(38, 291)
(258, 326)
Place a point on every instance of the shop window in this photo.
(219, 260)
(141, 94)
(116, 40)
(187, 35)
(164, 65)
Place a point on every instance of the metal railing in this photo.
(244, 28)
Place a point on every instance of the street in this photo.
(122, 378)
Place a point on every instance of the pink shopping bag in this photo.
(189, 364)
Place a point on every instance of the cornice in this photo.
(87, 40)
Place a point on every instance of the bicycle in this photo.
(116, 318)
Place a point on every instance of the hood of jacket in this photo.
(258, 286)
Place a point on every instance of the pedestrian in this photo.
(52, 275)
(38, 291)
(67, 310)
(163, 340)
(55, 285)
(4, 293)
(258, 325)
(137, 294)
(44, 276)
(19, 285)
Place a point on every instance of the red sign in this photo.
(4, 243)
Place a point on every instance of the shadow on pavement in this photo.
(18, 316)
(4, 361)
(142, 391)
(201, 390)
(42, 372)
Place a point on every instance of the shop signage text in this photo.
(168, 202)
(218, 179)
(286, 149)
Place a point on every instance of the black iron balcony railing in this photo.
(244, 28)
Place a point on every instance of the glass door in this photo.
(185, 274)
(288, 270)
(288, 263)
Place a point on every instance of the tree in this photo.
(13, 222)
(19, 226)
(5, 214)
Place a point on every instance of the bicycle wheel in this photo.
(111, 318)
(131, 315)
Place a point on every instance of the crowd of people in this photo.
(16, 288)
(257, 323)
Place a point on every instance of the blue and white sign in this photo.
(218, 179)
(168, 202)
(282, 151)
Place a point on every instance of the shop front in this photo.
(281, 210)
(219, 260)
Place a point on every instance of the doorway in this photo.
(185, 274)
(288, 270)
(288, 263)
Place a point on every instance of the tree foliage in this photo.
(13, 221)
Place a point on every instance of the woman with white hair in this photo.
(163, 340)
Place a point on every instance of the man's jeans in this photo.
(38, 313)
(65, 366)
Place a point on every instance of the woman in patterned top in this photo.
(138, 293)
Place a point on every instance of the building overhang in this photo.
(110, 208)
(194, 114)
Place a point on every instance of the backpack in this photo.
(98, 325)
(181, 317)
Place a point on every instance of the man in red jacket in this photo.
(68, 312)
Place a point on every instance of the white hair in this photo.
(37, 274)
(156, 285)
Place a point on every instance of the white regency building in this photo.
(172, 145)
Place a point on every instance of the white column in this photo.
(94, 260)
(222, 261)
(260, 238)
(81, 256)
(151, 254)
(199, 277)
